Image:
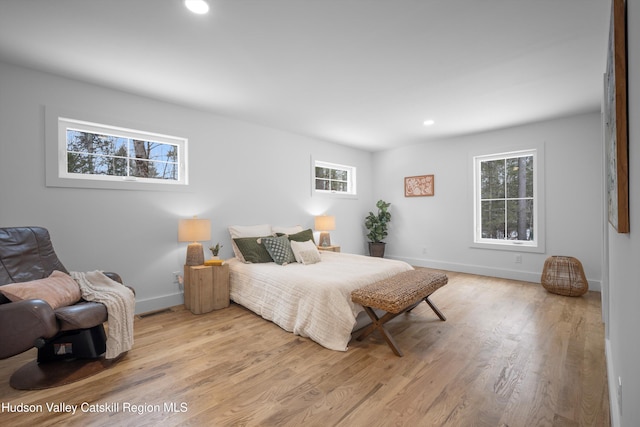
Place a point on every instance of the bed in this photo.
(312, 300)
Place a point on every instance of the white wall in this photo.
(442, 223)
(623, 344)
(240, 173)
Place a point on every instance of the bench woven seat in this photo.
(398, 292)
(396, 295)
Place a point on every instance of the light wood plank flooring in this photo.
(509, 354)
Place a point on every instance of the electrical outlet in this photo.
(177, 277)
(518, 259)
(620, 395)
(424, 250)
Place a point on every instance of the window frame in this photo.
(536, 245)
(57, 121)
(352, 191)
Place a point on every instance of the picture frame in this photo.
(615, 121)
(419, 186)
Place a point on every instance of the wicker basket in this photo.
(563, 275)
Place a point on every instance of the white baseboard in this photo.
(158, 303)
(504, 273)
(614, 405)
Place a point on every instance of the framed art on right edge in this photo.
(615, 121)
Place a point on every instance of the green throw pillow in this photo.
(279, 248)
(252, 251)
(303, 236)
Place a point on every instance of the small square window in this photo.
(331, 178)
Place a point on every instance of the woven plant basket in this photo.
(563, 275)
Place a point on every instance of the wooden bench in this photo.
(396, 295)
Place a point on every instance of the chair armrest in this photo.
(113, 276)
(22, 323)
(116, 277)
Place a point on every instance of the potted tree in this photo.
(377, 227)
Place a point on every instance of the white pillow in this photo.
(238, 231)
(305, 252)
(287, 230)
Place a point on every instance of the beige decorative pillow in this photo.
(311, 254)
(59, 290)
(310, 257)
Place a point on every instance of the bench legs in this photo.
(435, 309)
(377, 323)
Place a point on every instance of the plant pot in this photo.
(377, 249)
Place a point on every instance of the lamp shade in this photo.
(325, 223)
(194, 230)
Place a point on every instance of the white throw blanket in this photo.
(310, 300)
(120, 303)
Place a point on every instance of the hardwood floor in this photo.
(509, 354)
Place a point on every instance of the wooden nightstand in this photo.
(206, 288)
(329, 248)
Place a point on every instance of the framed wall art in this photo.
(418, 186)
(615, 121)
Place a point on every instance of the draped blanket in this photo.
(120, 303)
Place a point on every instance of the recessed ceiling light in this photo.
(429, 122)
(197, 6)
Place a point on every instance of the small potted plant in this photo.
(376, 224)
(215, 250)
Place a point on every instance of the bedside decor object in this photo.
(215, 250)
(214, 261)
(563, 275)
(324, 224)
(376, 224)
(332, 248)
(194, 230)
(418, 186)
(206, 288)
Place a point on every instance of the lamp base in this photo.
(195, 254)
(325, 239)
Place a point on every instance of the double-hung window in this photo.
(507, 200)
(331, 178)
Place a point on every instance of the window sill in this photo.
(510, 247)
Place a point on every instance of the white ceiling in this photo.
(364, 73)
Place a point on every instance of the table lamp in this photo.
(194, 230)
(324, 224)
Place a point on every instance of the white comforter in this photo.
(310, 300)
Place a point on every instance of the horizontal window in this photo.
(97, 152)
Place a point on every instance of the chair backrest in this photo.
(26, 253)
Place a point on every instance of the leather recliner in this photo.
(26, 254)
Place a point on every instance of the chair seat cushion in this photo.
(81, 316)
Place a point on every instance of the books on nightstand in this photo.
(214, 262)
